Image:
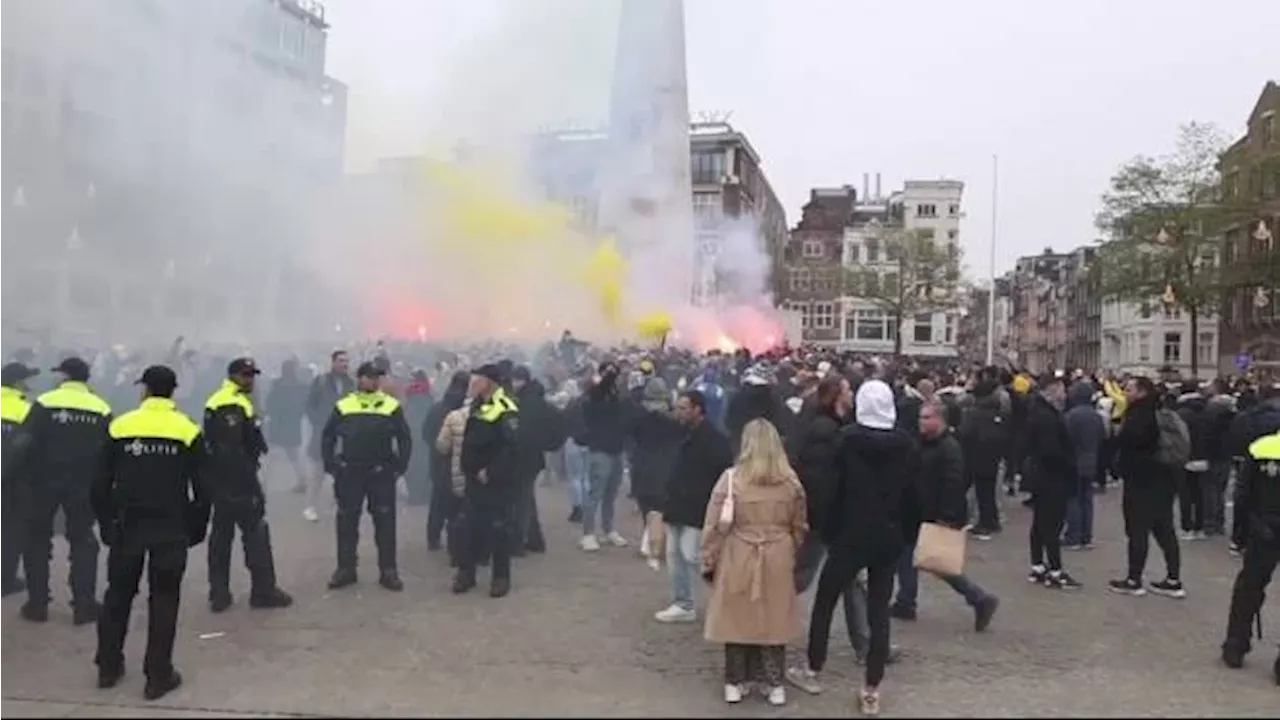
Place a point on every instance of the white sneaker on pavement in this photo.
(733, 694)
(676, 614)
(589, 543)
(777, 696)
(310, 514)
(615, 539)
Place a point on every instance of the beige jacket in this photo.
(449, 443)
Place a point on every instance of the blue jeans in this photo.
(909, 583)
(1080, 516)
(575, 471)
(604, 477)
(683, 563)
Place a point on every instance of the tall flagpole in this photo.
(991, 296)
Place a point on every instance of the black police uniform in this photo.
(14, 409)
(67, 432)
(235, 445)
(366, 445)
(488, 445)
(1259, 497)
(151, 506)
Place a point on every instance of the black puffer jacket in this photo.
(940, 484)
(1191, 408)
(1137, 442)
(815, 456)
(702, 457)
(983, 434)
(866, 516)
(656, 437)
(750, 403)
(1050, 465)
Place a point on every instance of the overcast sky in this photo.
(829, 89)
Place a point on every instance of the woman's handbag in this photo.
(940, 550)
(726, 509)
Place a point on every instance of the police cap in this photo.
(242, 366)
(159, 380)
(489, 371)
(74, 368)
(370, 370)
(16, 372)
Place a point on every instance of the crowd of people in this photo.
(760, 475)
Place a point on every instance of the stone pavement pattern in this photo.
(576, 638)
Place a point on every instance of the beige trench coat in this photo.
(753, 598)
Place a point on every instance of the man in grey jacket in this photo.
(1087, 431)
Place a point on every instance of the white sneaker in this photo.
(654, 564)
(733, 694)
(777, 696)
(310, 514)
(1186, 536)
(677, 614)
(617, 540)
(589, 543)
(644, 545)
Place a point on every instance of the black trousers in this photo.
(1148, 512)
(836, 578)
(526, 529)
(13, 537)
(484, 531)
(249, 514)
(984, 488)
(444, 505)
(356, 490)
(1191, 501)
(166, 563)
(74, 502)
(1256, 571)
(1048, 517)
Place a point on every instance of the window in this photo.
(1231, 186)
(1268, 128)
(1206, 353)
(928, 211)
(889, 283)
(1172, 312)
(799, 279)
(952, 235)
(949, 329)
(1144, 347)
(824, 316)
(1172, 348)
(926, 234)
(707, 167)
(892, 251)
(1145, 311)
(873, 250)
(853, 253)
(708, 209)
(953, 210)
(871, 325)
(813, 249)
(923, 332)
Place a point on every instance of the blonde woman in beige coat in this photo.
(755, 523)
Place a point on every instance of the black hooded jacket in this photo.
(453, 398)
(865, 518)
(1050, 463)
(814, 452)
(750, 403)
(983, 433)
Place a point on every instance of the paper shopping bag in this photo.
(657, 536)
(940, 550)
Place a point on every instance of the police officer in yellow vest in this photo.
(235, 446)
(152, 505)
(13, 412)
(488, 462)
(1258, 487)
(67, 432)
(365, 446)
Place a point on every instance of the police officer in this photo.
(151, 507)
(366, 445)
(235, 445)
(13, 412)
(1258, 496)
(488, 462)
(67, 431)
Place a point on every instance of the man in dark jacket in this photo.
(940, 488)
(756, 399)
(984, 436)
(443, 511)
(1191, 407)
(703, 457)
(1148, 493)
(325, 392)
(1088, 432)
(1052, 476)
(1219, 411)
(601, 428)
(539, 429)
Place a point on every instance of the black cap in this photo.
(370, 370)
(522, 374)
(74, 368)
(158, 379)
(490, 371)
(15, 372)
(243, 366)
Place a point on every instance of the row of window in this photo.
(1138, 345)
(929, 210)
(869, 325)
(708, 167)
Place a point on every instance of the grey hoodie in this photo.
(1085, 427)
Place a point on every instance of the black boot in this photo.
(219, 602)
(1233, 654)
(342, 577)
(463, 582)
(35, 613)
(271, 599)
(499, 587)
(14, 587)
(85, 613)
(157, 689)
(109, 678)
(390, 579)
(575, 515)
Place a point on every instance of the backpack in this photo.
(1175, 439)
